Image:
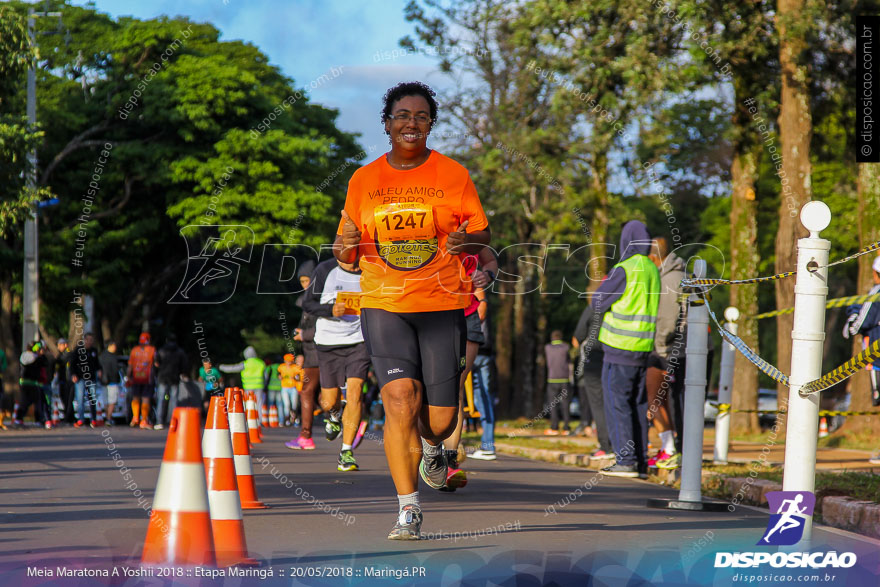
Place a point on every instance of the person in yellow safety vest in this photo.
(251, 370)
(629, 299)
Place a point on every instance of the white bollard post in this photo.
(807, 338)
(725, 389)
(694, 394)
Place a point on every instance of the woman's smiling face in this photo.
(409, 135)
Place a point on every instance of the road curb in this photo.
(842, 512)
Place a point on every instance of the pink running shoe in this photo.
(660, 456)
(301, 444)
(362, 428)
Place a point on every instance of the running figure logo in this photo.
(792, 508)
(212, 274)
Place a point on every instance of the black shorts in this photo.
(142, 390)
(474, 328)
(310, 355)
(339, 363)
(426, 346)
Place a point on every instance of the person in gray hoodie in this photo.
(628, 300)
(665, 377)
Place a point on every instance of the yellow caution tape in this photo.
(765, 367)
(693, 282)
(726, 408)
(864, 251)
(835, 303)
(869, 249)
(845, 371)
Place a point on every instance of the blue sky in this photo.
(307, 38)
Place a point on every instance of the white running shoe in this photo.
(483, 455)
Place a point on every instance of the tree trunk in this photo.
(598, 264)
(524, 339)
(504, 343)
(795, 131)
(743, 264)
(869, 232)
(8, 338)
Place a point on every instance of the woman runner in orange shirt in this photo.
(408, 215)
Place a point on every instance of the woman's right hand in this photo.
(351, 236)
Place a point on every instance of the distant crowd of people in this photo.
(84, 385)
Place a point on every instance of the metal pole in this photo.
(694, 393)
(31, 305)
(807, 338)
(725, 389)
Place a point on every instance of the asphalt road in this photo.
(519, 522)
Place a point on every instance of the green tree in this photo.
(17, 199)
(182, 111)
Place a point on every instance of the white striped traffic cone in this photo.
(253, 423)
(273, 417)
(264, 415)
(823, 427)
(180, 524)
(226, 521)
(241, 451)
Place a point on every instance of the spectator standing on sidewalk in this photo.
(588, 374)
(141, 380)
(628, 300)
(86, 373)
(61, 379)
(110, 378)
(34, 374)
(864, 320)
(558, 382)
(251, 370)
(482, 381)
(665, 376)
(171, 363)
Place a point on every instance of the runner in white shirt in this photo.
(334, 297)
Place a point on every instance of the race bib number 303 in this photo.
(404, 222)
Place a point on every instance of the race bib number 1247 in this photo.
(404, 222)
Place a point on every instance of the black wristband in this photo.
(490, 274)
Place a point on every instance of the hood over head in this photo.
(306, 269)
(634, 240)
(250, 353)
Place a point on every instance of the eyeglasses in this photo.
(419, 118)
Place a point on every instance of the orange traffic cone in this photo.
(823, 427)
(264, 416)
(253, 424)
(180, 524)
(225, 505)
(56, 413)
(273, 417)
(99, 411)
(241, 451)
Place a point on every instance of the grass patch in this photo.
(857, 441)
(859, 486)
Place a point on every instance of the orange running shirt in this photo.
(405, 217)
(288, 374)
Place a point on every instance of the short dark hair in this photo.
(404, 89)
(556, 335)
(111, 342)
